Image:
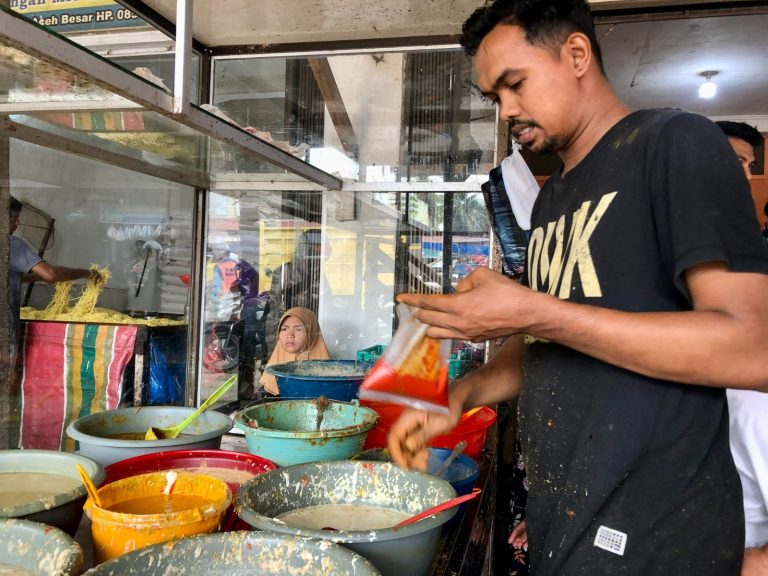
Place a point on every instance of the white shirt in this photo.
(749, 446)
(521, 187)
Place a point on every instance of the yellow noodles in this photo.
(59, 303)
(87, 301)
(85, 310)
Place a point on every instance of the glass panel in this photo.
(78, 213)
(45, 96)
(379, 117)
(159, 69)
(328, 252)
(335, 253)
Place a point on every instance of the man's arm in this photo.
(51, 274)
(496, 381)
(755, 561)
(720, 343)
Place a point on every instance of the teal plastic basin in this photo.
(285, 431)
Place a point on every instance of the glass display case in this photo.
(124, 184)
(218, 222)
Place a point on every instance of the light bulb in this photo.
(708, 89)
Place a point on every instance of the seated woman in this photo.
(298, 338)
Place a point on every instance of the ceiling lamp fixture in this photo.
(708, 89)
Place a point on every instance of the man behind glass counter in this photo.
(748, 409)
(25, 264)
(646, 294)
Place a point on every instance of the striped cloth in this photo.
(69, 371)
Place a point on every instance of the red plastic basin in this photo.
(235, 468)
(472, 428)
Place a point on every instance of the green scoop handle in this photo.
(161, 433)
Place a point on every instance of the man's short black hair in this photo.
(742, 131)
(546, 24)
(14, 205)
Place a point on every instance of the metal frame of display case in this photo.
(33, 39)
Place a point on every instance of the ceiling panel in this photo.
(652, 63)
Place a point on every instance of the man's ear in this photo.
(577, 52)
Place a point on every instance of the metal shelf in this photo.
(57, 94)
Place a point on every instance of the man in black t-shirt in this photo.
(638, 246)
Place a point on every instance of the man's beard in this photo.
(548, 146)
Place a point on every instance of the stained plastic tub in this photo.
(335, 379)
(93, 432)
(472, 428)
(62, 511)
(404, 551)
(235, 468)
(38, 549)
(238, 554)
(115, 533)
(462, 473)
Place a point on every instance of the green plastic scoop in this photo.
(163, 433)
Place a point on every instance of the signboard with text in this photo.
(77, 15)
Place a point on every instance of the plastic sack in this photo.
(166, 375)
(509, 195)
(413, 370)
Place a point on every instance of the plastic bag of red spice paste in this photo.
(413, 370)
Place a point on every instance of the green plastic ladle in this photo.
(167, 433)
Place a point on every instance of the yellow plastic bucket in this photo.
(135, 513)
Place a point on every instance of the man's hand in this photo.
(518, 538)
(486, 305)
(408, 437)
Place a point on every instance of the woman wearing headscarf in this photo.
(298, 338)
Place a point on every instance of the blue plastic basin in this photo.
(462, 473)
(335, 379)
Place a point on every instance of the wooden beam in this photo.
(321, 69)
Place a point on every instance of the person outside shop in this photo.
(638, 245)
(298, 338)
(248, 284)
(234, 293)
(25, 264)
(748, 410)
